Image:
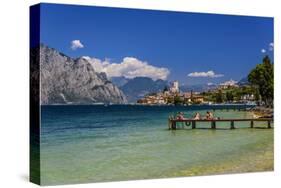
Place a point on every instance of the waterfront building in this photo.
(227, 84)
(175, 87)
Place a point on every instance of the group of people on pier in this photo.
(197, 116)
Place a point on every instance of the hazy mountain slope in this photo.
(119, 81)
(137, 87)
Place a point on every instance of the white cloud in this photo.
(210, 74)
(263, 51)
(271, 46)
(130, 67)
(76, 44)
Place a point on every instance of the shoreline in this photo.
(262, 112)
(258, 161)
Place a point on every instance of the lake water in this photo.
(81, 144)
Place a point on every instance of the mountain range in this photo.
(198, 87)
(138, 87)
(243, 82)
(211, 86)
(65, 80)
(119, 81)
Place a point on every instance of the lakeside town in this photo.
(258, 90)
(227, 92)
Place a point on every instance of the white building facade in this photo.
(175, 87)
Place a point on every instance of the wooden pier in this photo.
(172, 123)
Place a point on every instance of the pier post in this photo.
(252, 124)
(193, 123)
(232, 125)
(213, 124)
(268, 124)
(169, 123)
(174, 125)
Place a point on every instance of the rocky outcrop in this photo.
(64, 80)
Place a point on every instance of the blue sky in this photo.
(190, 47)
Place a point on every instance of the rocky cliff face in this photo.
(64, 80)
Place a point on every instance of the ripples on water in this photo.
(96, 143)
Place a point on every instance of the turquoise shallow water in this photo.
(96, 143)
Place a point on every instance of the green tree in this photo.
(229, 96)
(257, 95)
(178, 100)
(219, 97)
(262, 78)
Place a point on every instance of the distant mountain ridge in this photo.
(138, 87)
(198, 87)
(64, 80)
(243, 82)
(119, 81)
(205, 87)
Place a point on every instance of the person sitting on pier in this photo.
(209, 115)
(197, 116)
(180, 116)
